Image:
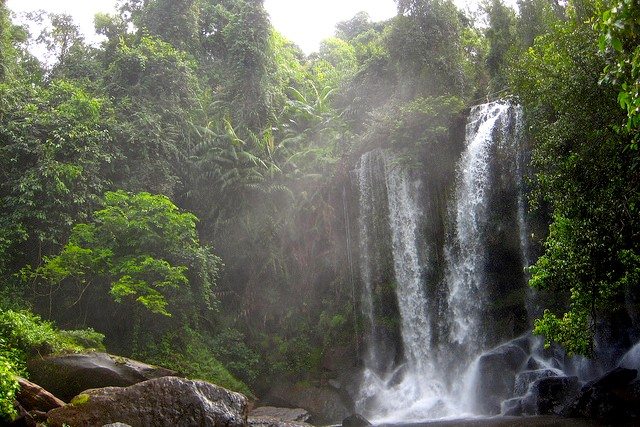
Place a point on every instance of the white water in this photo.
(631, 359)
(404, 217)
(465, 276)
(412, 390)
(417, 390)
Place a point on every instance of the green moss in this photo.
(119, 360)
(80, 399)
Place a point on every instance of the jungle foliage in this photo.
(587, 170)
(197, 135)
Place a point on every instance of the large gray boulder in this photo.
(496, 375)
(68, 375)
(355, 420)
(283, 414)
(271, 416)
(274, 422)
(167, 401)
(326, 404)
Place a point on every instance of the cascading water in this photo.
(410, 390)
(437, 345)
(465, 253)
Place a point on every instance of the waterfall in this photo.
(404, 218)
(491, 132)
(410, 390)
(423, 379)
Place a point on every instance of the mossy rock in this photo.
(69, 375)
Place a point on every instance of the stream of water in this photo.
(430, 382)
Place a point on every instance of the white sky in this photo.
(305, 22)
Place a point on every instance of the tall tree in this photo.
(425, 44)
(154, 89)
(501, 35)
(141, 251)
(54, 155)
(618, 26)
(592, 253)
(536, 17)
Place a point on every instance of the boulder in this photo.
(325, 404)
(496, 373)
(32, 397)
(550, 395)
(613, 397)
(166, 401)
(355, 420)
(526, 378)
(68, 375)
(274, 422)
(533, 364)
(511, 407)
(283, 414)
(32, 403)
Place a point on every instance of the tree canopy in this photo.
(195, 135)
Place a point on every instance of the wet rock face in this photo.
(497, 371)
(283, 414)
(550, 395)
(271, 416)
(526, 378)
(274, 422)
(540, 392)
(68, 375)
(512, 407)
(613, 397)
(325, 404)
(355, 420)
(167, 401)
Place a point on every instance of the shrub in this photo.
(24, 334)
(27, 334)
(192, 354)
(229, 347)
(8, 387)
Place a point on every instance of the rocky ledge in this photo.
(68, 375)
(166, 401)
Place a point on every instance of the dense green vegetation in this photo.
(587, 171)
(23, 335)
(196, 135)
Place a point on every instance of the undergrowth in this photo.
(24, 335)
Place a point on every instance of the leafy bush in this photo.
(192, 354)
(27, 334)
(8, 387)
(24, 334)
(296, 357)
(229, 347)
(85, 338)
